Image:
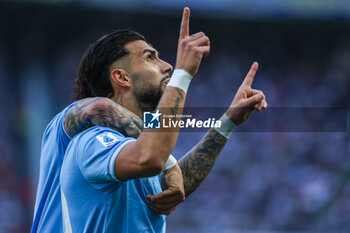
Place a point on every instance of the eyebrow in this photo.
(155, 52)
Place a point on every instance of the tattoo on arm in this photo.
(101, 111)
(197, 163)
(174, 110)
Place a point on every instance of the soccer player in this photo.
(82, 115)
(106, 176)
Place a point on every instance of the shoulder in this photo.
(81, 114)
(90, 105)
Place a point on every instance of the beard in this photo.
(147, 95)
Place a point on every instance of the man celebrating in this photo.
(86, 113)
(106, 176)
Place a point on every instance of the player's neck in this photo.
(128, 102)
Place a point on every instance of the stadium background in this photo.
(263, 181)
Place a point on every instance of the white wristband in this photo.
(227, 126)
(180, 79)
(171, 162)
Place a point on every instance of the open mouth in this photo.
(166, 81)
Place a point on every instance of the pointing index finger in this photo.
(184, 29)
(250, 76)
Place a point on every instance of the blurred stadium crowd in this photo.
(262, 182)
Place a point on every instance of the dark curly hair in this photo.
(93, 76)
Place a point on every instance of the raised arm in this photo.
(197, 163)
(148, 155)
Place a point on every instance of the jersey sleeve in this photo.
(97, 156)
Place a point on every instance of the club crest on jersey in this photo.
(107, 139)
(151, 120)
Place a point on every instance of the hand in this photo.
(246, 99)
(173, 192)
(191, 49)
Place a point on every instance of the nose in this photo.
(166, 67)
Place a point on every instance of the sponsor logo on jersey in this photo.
(107, 139)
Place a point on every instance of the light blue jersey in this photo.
(93, 199)
(48, 211)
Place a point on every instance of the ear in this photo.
(120, 78)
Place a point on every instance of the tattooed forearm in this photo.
(197, 163)
(102, 112)
(174, 110)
